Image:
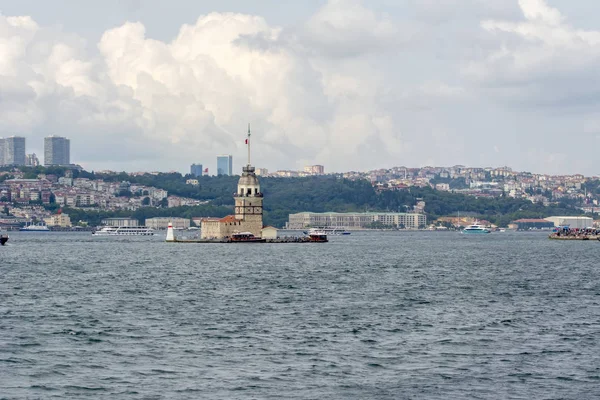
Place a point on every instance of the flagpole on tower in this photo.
(248, 143)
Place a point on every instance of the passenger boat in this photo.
(124, 231)
(330, 231)
(317, 235)
(245, 237)
(475, 229)
(31, 227)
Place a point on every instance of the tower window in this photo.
(249, 191)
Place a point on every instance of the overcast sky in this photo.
(350, 84)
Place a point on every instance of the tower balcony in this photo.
(248, 195)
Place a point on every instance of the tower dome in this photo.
(248, 185)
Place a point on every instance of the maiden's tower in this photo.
(248, 208)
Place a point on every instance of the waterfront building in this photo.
(14, 150)
(526, 224)
(269, 232)
(262, 172)
(57, 151)
(248, 215)
(224, 165)
(196, 170)
(62, 220)
(314, 169)
(163, 222)
(121, 222)
(572, 222)
(356, 220)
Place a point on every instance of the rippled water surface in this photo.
(368, 316)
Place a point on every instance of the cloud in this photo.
(355, 86)
(138, 99)
(345, 28)
(541, 61)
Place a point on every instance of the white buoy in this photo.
(170, 234)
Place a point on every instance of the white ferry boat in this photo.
(31, 227)
(124, 231)
(475, 229)
(329, 231)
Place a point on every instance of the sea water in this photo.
(373, 315)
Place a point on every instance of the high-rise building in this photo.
(57, 151)
(196, 170)
(31, 160)
(14, 150)
(1, 151)
(224, 165)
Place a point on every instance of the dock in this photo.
(244, 238)
(293, 239)
(573, 237)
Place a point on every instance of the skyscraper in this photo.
(224, 165)
(14, 150)
(1, 151)
(196, 170)
(31, 160)
(57, 151)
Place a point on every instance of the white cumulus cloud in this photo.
(141, 102)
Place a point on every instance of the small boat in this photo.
(317, 236)
(124, 231)
(329, 231)
(3, 238)
(31, 227)
(475, 228)
(245, 237)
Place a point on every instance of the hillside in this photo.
(284, 196)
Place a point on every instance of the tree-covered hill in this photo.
(284, 196)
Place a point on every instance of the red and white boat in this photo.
(317, 236)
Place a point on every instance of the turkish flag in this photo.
(205, 169)
(246, 141)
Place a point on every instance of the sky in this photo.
(349, 84)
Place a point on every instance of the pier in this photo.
(554, 236)
(291, 239)
(245, 238)
(566, 233)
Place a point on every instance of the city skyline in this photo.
(346, 83)
(14, 151)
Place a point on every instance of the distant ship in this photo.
(475, 229)
(124, 231)
(3, 238)
(31, 227)
(330, 231)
